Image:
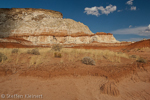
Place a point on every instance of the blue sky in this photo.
(128, 20)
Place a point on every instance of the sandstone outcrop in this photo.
(46, 27)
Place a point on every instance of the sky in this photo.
(127, 20)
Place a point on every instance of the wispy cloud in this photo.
(141, 31)
(133, 7)
(100, 10)
(132, 39)
(130, 26)
(119, 10)
(130, 2)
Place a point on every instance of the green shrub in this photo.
(2, 57)
(33, 51)
(57, 54)
(56, 47)
(141, 60)
(88, 61)
(14, 51)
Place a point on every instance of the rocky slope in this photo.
(46, 27)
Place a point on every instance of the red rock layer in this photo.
(12, 45)
(17, 39)
(60, 34)
(102, 33)
(140, 44)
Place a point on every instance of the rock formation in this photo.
(46, 27)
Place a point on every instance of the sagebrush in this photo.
(141, 60)
(14, 51)
(57, 47)
(2, 57)
(88, 61)
(33, 51)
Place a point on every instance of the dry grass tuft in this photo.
(70, 54)
(78, 54)
(57, 55)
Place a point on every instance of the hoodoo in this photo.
(41, 26)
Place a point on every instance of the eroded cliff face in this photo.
(37, 40)
(45, 27)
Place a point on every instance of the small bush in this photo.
(57, 54)
(123, 49)
(14, 51)
(2, 57)
(133, 56)
(138, 49)
(33, 51)
(88, 61)
(120, 52)
(141, 60)
(56, 47)
(29, 51)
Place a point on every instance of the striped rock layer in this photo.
(41, 26)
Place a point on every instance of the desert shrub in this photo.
(123, 49)
(119, 52)
(141, 60)
(138, 49)
(88, 61)
(29, 51)
(2, 57)
(133, 56)
(128, 50)
(56, 47)
(14, 51)
(33, 51)
(57, 54)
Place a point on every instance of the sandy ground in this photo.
(54, 79)
(134, 87)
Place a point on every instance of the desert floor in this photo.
(118, 74)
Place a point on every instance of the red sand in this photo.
(52, 80)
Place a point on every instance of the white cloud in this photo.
(119, 10)
(109, 9)
(92, 11)
(130, 2)
(133, 7)
(95, 10)
(141, 31)
(130, 26)
(148, 28)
